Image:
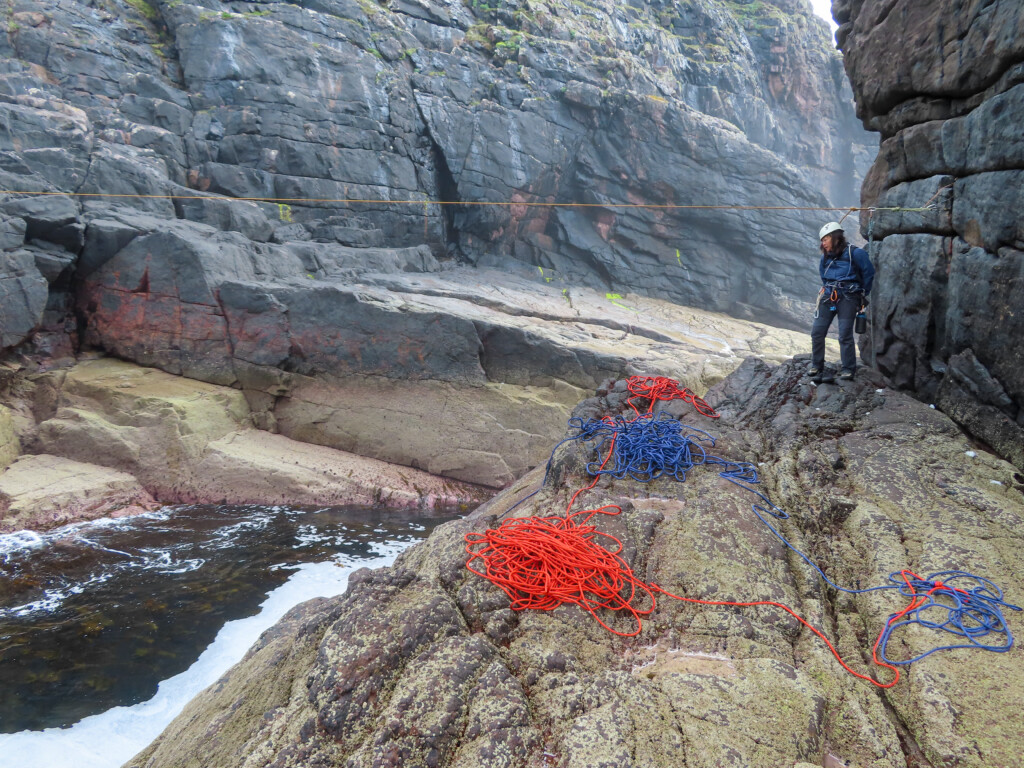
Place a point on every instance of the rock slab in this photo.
(117, 436)
(873, 481)
(942, 83)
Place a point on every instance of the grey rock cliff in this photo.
(944, 84)
(190, 160)
(166, 108)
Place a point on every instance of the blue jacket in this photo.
(850, 270)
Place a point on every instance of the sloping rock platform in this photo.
(424, 664)
(429, 368)
(117, 436)
(44, 491)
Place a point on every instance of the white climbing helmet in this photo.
(830, 228)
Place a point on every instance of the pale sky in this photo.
(824, 9)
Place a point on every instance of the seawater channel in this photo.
(108, 628)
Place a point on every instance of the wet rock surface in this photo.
(110, 437)
(424, 663)
(942, 82)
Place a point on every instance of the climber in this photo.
(846, 278)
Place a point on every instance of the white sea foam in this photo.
(54, 598)
(113, 737)
(23, 540)
(20, 541)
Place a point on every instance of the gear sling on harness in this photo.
(838, 288)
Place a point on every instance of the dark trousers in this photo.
(846, 309)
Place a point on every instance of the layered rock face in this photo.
(465, 373)
(112, 438)
(944, 84)
(432, 370)
(425, 664)
(392, 139)
(472, 105)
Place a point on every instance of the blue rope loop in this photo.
(969, 612)
(645, 448)
(651, 447)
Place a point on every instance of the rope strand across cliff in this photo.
(470, 203)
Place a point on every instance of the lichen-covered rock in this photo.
(941, 82)
(10, 446)
(425, 664)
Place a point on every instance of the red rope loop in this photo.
(656, 388)
(543, 562)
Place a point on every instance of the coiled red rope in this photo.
(655, 388)
(544, 562)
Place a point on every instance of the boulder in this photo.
(186, 441)
(39, 492)
(873, 481)
(151, 424)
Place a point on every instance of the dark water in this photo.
(96, 615)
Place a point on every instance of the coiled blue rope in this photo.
(969, 613)
(648, 448)
(645, 448)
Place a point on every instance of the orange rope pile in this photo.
(543, 562)
(656, 388)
